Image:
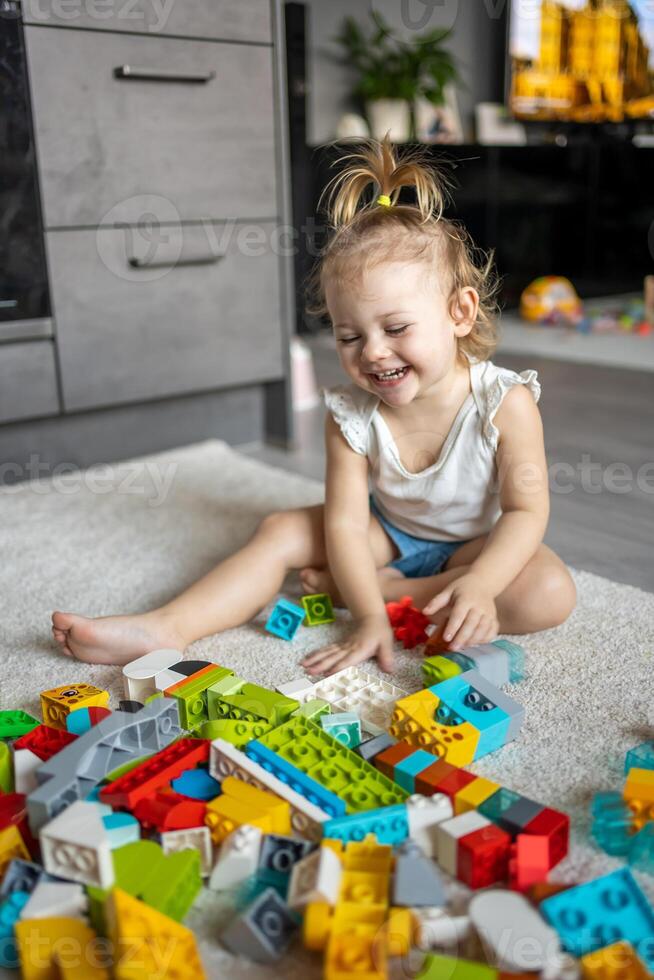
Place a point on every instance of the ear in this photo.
(464, 304)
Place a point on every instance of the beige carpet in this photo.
(125, 537)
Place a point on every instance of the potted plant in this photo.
(394, 74)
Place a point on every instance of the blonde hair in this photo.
(364, 232)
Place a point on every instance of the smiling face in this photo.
(395, 332)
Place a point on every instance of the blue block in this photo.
(122, 828)
(469, 697)
(641, 849)
(78, 721)
(613, 823)
(640, 757)
(390, 824)
(297, 780)
(601, 912)
(10, 911)
(406, 770)
(285, 619)
(197, 784)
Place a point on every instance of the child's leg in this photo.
(542, 596)
(229, 595)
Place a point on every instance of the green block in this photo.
(438, 668)
(167, 882)
(97, 897)
(126, 767)
(13, 724)
(318, 609)
(153, 697)
(436, 967)
(305, 745)
(254, 703)
(192, 697)
(233, 730)
(227, 685)
(6, 769)
(313, 709)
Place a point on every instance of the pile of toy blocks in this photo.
(337, 812)
(623, 823)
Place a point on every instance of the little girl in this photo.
(450, 445)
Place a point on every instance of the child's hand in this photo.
(473, 618)
(372, 637)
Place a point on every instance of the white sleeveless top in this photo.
(454, 499)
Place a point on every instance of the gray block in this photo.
(519, 814)
(263, 931)
(280, 853)
(488, 690)
(22, 876)
(373, 746)
(416, 881)
(492, 662)
(120, 737)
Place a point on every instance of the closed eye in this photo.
(391, 331)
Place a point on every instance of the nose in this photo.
(375, 349)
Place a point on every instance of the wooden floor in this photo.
(602, 518)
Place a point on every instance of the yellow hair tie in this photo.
(384, 200)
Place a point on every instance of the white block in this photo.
(449, 833)
(196, 838)
(56, 898)
(515, 936)
(238, 858)
(226, 760)
(437, 929)
(138, 676)
(424, 814)
(300, 689)
(166, 678)
(316, 878)
(25, 765)
(75, 845)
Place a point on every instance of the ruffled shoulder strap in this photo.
(490, 385)
(352, 410)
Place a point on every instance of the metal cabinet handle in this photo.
(137, 263)
(129, 73)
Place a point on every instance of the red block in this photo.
(14, 812)
(556, 827)
(157, 771)
(408, 622)
(97, 713)
(44, 741)
(528, 861)
(167, 810)
(429, 780)
(387, 760)
(483, 857)
(455, 781)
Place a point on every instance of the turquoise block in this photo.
(640, 757)
(406, 770)
(79, 721)
(462, 701)
(122, 828)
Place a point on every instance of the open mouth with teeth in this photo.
(391, 377)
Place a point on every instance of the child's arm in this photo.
(351, 562)
(524, 498)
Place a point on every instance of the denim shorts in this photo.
(417, 557)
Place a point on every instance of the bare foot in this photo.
(113, 639)
(316, 580)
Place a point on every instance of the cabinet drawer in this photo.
(28, 381)
(230, 20)
(117, 149)
(179, 324)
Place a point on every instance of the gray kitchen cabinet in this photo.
(115, 149)
(200, 312)
(231, 20)
(28, 381)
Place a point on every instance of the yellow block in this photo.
(414, 721)
(317, 925)
(225, 814)
(399, 930)
(357, 955)
(61, 949)
(12, 846)
(262, 800)
(474, 794)
(60, 701)
(148, 944)
(616, 962)
(639, 785)
(367, 855)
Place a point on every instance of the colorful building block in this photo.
(328, 762)
(12, 846)
(431, 779)
(238, 858)
(191, 695)
(233, 730)
(139, 674)
(416, 881)
(612, 907)
(640, 757)
(449, 834)
(10, 912)
(483, 857)
(528, 861)
(313, 709)
(60, 701)
(471, 698)
(167, 810)
(473, 793)
(436, 966)
(556, 827)
(169, 883)
(285, 619)
(121, 829)
(6, 769)
(615, 962)
(389, 824)
(406, 769)
(513, 933)
(371, 747)
(196, 784)
(357, 690)
(343, 725)
(250, 702)
(263, 931)
(25, 766)
(388, 758)
(318, 609)
(299, 781)
(13, 724)
(193, 838)
(414, 719)
(45, 741)
(306, 818)
(315, 878)
(424, 814)
(75, 846)
(156, 771)
(21, 876)
(280, 853)
(641, 849)
(56, 898)
(80, 720)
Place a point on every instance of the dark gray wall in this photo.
(476, 41)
